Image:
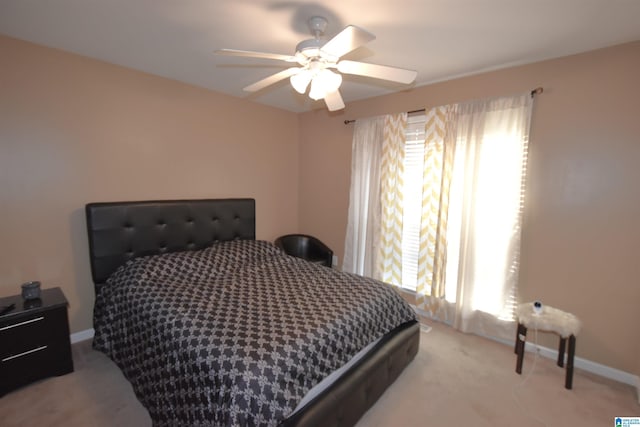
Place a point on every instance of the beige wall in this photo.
(75, 130)
(581, 229)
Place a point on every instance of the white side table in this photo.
(553, 320)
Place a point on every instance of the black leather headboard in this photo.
(119, 231)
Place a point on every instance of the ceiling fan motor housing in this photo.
(310, 48)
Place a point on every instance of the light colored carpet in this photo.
(455, 380)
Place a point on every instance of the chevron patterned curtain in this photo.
(439, 147)
(389, 266)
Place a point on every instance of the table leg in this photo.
(568, 384)
(563, 343)
(520, 340)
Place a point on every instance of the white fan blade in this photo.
(334, 101)
(399, 75)
(251, 54)
(274, 78)
(345, 41)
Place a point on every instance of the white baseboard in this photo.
(87, 334)
(589, 366)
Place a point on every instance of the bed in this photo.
(167, 273)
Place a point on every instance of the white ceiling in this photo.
(441, 39)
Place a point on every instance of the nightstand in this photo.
(34, 339)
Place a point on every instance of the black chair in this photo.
(306, 247)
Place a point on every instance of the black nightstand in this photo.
(34, 339)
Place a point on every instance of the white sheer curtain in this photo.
(363, 226)
(485, 213)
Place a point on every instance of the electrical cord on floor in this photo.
(525, 379)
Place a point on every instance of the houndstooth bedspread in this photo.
(235, 334)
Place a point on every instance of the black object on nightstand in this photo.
(34, 339)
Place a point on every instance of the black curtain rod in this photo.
(534, 92)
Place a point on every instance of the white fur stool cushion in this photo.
(550, 319)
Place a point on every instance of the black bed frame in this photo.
(119, 231)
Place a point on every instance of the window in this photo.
(412, 200)
(436, 206)
(498, 166)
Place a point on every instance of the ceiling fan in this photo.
(316, 59)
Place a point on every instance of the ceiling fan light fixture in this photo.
(317, 90)
(331, 80)
(325, 81)
(301, 81)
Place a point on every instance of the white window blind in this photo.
(412, 201)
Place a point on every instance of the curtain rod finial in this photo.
(537, 91)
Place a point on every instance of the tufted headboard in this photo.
(120, 231)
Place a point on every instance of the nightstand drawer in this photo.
(28, 332)
(37, 363)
